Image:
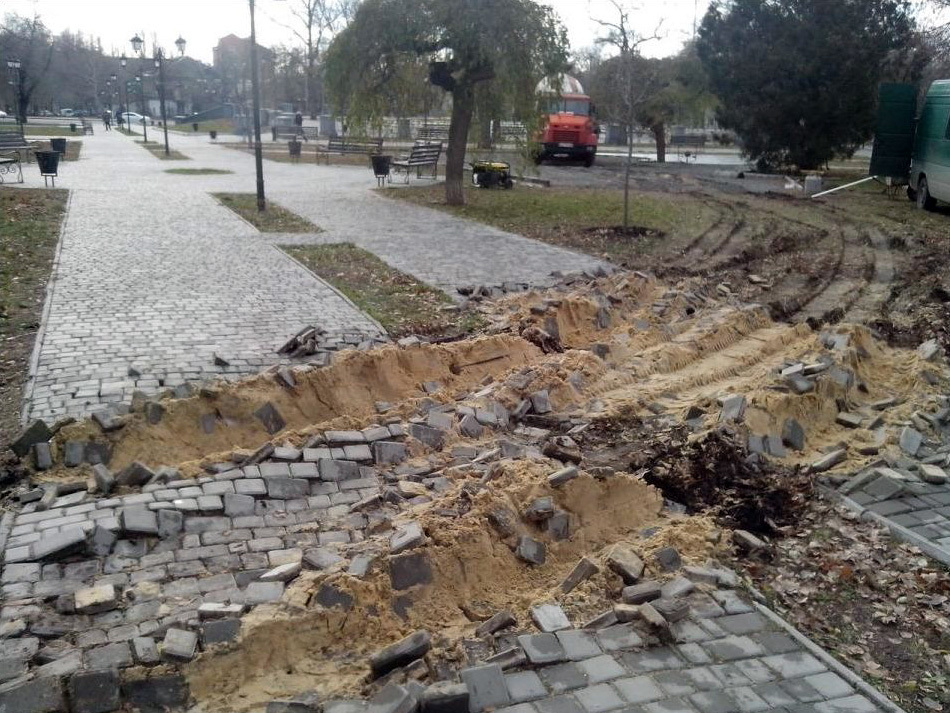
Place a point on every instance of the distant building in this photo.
(232, 61)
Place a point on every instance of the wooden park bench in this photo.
(424, 153)
(10, 164)
(689, 144)
(345, 145)
(13, 141)
(87, 127)
(297, 132)
(432, 133)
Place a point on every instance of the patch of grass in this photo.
(49, 130)
(276, 219)
(125, 132)
(73, 149)
(158, 151)
(222, 126)
(312, 152)
(29, 230)
(400, 302)
(570, 217)
(197, 171)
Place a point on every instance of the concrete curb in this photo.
(27, 398)
(343, 297)
(831, 662)
(6, 524)
(898, 531)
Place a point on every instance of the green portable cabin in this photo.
(929, 177)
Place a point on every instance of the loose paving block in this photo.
(829, 461)
(42, 695)
(530, 550)
(134, 474)
(36, 432)
(389, 452)
(431, 437)
(668, 559)
(94, 692)
(115, 655)
(145, 650)
(849, 419)
(103, 478)
(392, 698)
(625, 562)
(642, 592)
(158, 693)
(138, 522)
(486, 687)
(220, 631)
(406, 538)
(583, 570)
(550, 618)
(932, 474)
(42, 456)
(733, 408)
(282, 573)
(263, 592)
(56, 544)
(304, 703)
(523, 686)
(562, 476)
(793, 435)
(94, 600)
(270, 418)
(618, 637)
(910, 440)
(401, 653)
(180, 644)
(409, 570)
(599, 698)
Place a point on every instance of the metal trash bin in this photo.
(48, 161)
(381, 166)
(294, 148)
(59, 146)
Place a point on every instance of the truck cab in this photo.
(929, 179)
(569, 128)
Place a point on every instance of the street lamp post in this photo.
(141, 80)
(14, 64)
(158, 57)
(256, 90)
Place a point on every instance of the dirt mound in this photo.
(474, 573)
(344, 393)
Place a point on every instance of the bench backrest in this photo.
(340, 144)
(433, 132)
(693, 141)
(425, 152)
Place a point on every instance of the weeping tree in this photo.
(506, 46)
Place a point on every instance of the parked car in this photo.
(66, 112)
(133, 117)
(3, 114)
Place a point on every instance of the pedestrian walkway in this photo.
(155, 278)
(435, 247)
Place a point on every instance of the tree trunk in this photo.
(626, 179)
(659, 136)
(463, 103)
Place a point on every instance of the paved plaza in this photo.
(155, 278)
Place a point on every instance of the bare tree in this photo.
(633, 86)
(317, 22)
(27, 40)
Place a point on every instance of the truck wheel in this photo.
(924, 200)
(538, 158)
(589, 161)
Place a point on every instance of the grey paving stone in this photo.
(851, 704)
(145, 650)
(714, 702)
(563, 677)
(732, 648)
(558, 704)
(220, 631)
(542, 648)
(94, 692)
(794, 665)
(599, 698)
(486, 687)
(117, 655)
(669, 705)
(638, 689)
(179, 645)
(601, 668)
(263, 592)
(656, 659)
(578, 644)
(830, 685)
(524, 686)
(618, 637)
(42, 695)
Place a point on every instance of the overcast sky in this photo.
(202, 22)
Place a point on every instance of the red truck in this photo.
(569, 128)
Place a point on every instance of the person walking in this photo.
(107, 119)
